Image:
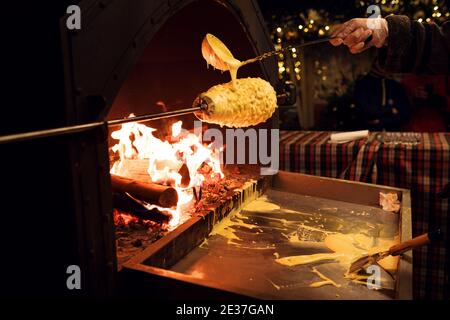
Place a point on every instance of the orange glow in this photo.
(136, 141)
(122, 218)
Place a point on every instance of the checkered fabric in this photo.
(423, 168)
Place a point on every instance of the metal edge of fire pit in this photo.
(168, 250)
(404, 289)
(165, 252)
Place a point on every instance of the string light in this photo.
(312, 24)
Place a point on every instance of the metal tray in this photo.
(237, 259)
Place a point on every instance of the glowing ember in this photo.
(123, 219)
(136, 141)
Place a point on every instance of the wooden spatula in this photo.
(367, 260)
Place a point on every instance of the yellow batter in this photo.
(346, 248)
(242, 103)
(310, 258)
(227, 229)
(326, 280)
(216, 53)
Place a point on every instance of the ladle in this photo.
(216, 53)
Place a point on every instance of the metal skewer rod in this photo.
(305, 44)
(156, 116)
(40, 134)
(301, 45)
(274, 52)
(89, 126)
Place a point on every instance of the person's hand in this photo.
(353, 33)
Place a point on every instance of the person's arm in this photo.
(416, 47)
(405, 45)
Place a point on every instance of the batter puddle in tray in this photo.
(303, 238)
(326, 280)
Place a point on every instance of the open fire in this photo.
(181, 161)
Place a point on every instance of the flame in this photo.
(136, 141)
(121, 218)
(176, 128)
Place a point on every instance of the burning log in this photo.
(149, 192)
(125, 203)
(135, 169)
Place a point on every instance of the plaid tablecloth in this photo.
(423, 168)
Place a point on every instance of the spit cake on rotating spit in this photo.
(242, 103)
(238, 103)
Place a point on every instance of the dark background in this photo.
(34, 190)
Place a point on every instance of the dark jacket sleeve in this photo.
(414, 47)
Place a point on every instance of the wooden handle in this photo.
(409, 244)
